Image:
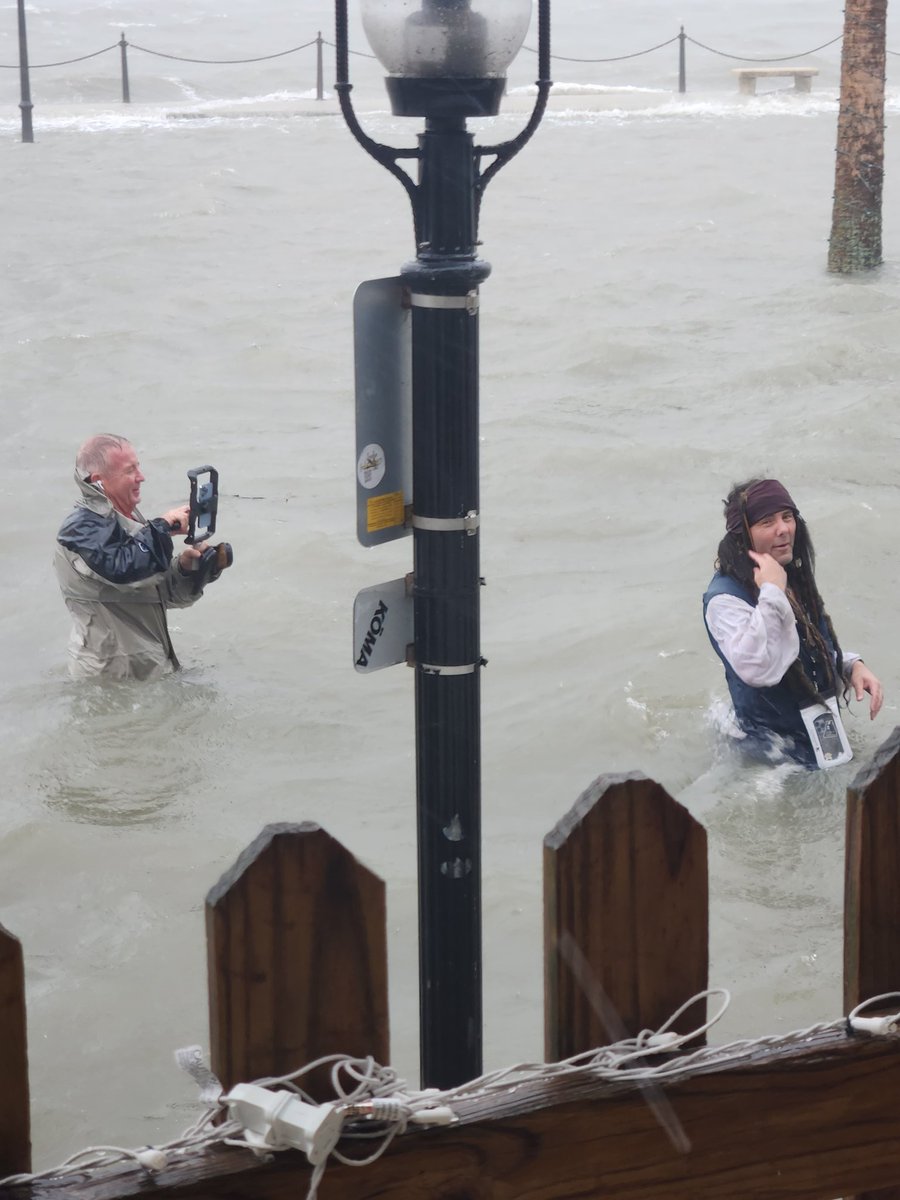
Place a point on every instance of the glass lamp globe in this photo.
(446, 57)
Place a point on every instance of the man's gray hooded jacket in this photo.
(118, 576)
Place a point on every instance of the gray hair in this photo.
(91, 459)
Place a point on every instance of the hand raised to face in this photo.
(768, 570)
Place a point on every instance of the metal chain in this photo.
(221, 61)
(786, 58)
(64, 63)
(363, 54)
(618, 58)
(358, 53)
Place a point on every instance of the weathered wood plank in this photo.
(625, 878)
(872, 890)
(297, 957)
(15, 1113)
(811, 1123)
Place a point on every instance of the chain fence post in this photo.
(25, 84)
(320, 94)
(682, 80)
(126, 90)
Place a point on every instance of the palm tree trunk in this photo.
(855, 243)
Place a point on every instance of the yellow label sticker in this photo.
(384, 512)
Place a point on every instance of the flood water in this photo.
(658, 324)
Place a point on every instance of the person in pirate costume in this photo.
(766, 621)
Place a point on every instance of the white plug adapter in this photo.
(281, 1119)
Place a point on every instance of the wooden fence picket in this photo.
(297, 958)
(872, 878)
(872, 890)
(15, 1119)
(625, 916)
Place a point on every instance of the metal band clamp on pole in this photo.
(425, 300)
(469, 523)
(432, 669)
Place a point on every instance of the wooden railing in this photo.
(296, 945)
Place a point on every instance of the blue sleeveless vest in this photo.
(762, 711)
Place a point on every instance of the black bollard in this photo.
(320, 92)
(126, 91)
(25, 104)
(682, 82)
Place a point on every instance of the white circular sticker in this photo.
(370, 467)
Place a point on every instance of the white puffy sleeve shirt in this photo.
(761, 642)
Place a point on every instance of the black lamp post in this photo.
(447, 62)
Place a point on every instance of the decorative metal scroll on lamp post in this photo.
(446, 62)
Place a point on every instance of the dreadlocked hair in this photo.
(733, 560)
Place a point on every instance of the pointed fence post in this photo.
(872, 891)
(626, 916)
(297, 958)
(320, 81)
(682, 64)
(15, 1114)
(872, 881)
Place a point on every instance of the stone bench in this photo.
(747, 77)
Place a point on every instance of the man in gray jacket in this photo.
(117, 571)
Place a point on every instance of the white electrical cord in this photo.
(875, 1025)
(195, 1138)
